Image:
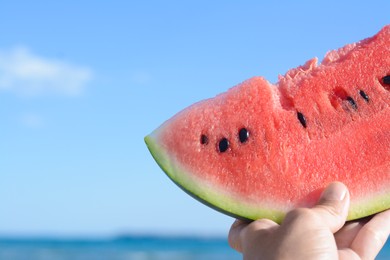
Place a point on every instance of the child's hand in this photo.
(316, 233)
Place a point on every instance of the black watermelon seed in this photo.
(204, 139)
(386, 80)
(223, 145)
(301, 119)
(352, 102)
(364, 95)
(243, 135)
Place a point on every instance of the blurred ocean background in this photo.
(126, 248)
(121, 248)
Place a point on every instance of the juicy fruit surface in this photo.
(259, 150)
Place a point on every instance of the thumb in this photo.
(333, 206)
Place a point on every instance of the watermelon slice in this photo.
(261, 149)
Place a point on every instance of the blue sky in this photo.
(82, 82)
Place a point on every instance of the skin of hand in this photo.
(313, 233)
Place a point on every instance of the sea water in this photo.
(131, 247)
(124, 248)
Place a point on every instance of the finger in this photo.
(242, 231)
(348, 254)
(260, 225)
(372, 236)
(234, 234)
(333, 206)
(345, 236)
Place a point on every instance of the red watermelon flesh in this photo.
(261, 149)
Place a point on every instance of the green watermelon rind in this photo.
(369, 206)
(207, 195)
(230, 206)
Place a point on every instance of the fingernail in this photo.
(335, 191)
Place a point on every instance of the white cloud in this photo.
(25, 73)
